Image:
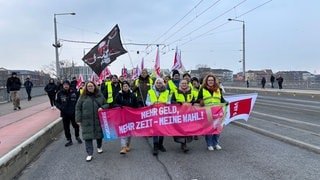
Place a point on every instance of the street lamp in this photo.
(57, 44)
(243, 47)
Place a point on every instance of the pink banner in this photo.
(162, 120)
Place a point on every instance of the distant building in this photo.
(295, 75)
(257, 75)
(75, 71)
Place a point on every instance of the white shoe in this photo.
(54, 107)
(89, 158)
(218, 147)
(51, 108)
(210, 148)
(99, 150)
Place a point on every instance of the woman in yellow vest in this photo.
(158, 94)
(209, 94)
(195, 89)
(183, 95)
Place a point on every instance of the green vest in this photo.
(109, 90)
(214, 99)
(163, 97)
(181, 98)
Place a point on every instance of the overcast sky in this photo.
(281, 35)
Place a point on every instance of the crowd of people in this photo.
(80, 106)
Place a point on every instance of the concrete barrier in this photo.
(12, 163)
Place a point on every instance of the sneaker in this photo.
(19, 107)
(210, 148)
(89, 158)
(54, 107)
(79, 140)
(69, 143)
(155, 151)
(14, 109)
(51, 108)
(218, 147)
(196, 137)
(99, 150)
(162, 149)
(123, 150)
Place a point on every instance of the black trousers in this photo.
(67, 119)
(52, 99)
(89, 145)
(29, 94)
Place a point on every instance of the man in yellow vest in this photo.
(156, 95)
(141, 87)
(174, 83)
(111, 90)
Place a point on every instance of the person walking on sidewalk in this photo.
(272, 78)
(66, 102)
(51, 90)
(13, 87)
(126, 98)
(28, 85)
(263, 82)
(90, 102)
(158, 94)
(280, 81)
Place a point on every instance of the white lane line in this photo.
(285, 139)
(287, 126)
(288, 107)
(295, 104)
(287, 119)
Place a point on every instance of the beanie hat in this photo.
(66, 82)
(174, 72)
(14, 73)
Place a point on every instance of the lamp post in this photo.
(243, 47)
(57, 44)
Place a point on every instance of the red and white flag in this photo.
(240, 107)
(105, 73)
(157, 64)
(79, 81)
(94, 78)
(142, 64)
(124, 72)
(177, 63)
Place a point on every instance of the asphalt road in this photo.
(245, 154)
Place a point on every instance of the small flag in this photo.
(157, 64)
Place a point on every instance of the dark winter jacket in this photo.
(51, 88)
(13, 84)
(28, 85)
(73, 85)
(66, 102)
(87, 114)
(141, 87)
(127, 99)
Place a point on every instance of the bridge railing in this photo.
(36, 91)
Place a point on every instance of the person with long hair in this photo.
(210, 94)
(90, 102)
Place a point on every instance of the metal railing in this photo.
(36, 91)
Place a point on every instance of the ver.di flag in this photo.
(240, 107)
(105, 52)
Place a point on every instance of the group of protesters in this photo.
(80, 107)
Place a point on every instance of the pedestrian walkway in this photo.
(17, 126)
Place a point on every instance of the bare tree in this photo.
(66, 67)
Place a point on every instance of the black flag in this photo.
(105, 52)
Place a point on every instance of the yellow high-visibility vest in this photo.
(181, 98)
(109, 90)
(215, 98)
(162, 98)
(195, 93)
(173, 88)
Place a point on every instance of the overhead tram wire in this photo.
(216, 2)
(91, 42)
(178, 21)
(205, 24)
(207, 32)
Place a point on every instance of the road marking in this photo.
(287, 119)
(285, 139)
(289, 107)
(291, 127)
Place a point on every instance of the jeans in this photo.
(125, 141)
(158, 140)
(89, 145)
(212, 140)
(52, 99)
